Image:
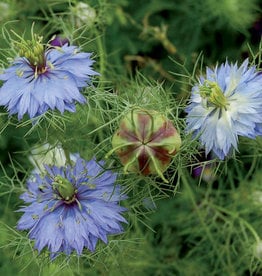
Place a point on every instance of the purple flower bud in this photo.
(205, 169)
(59, 41)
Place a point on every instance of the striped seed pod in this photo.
(145, 142)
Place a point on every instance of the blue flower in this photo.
(42, 79)
(72, 207)
(225, 104)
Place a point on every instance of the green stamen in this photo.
(34, 51)
(213, 94)
(65, 189)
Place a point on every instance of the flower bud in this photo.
(258, 249)
(82, 13)
(59, 41)
(145, 142)
(6, 10)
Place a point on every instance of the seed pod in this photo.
(145, 142)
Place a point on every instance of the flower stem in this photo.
(200, 216)
(102, 57)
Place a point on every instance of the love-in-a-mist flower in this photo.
(45, 77)
(225, 104)
(145, 142)
(72, 207)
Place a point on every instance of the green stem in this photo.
(241, 220)
(198, 212)
(102, 57)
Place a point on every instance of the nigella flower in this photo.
(72, 207)
(225, 104)
(45, 78)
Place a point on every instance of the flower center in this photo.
(34, 51)
(211, 92)
(65, 189)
